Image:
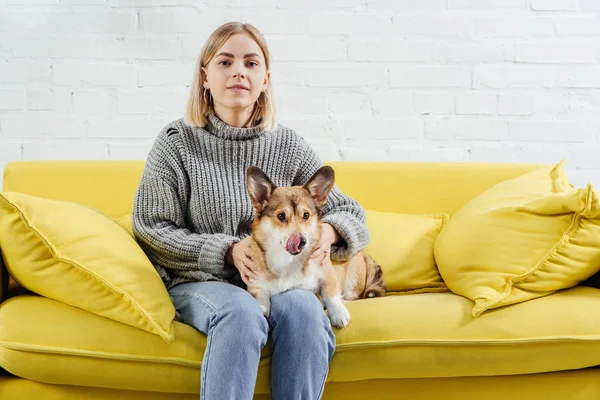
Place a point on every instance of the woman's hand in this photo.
(329, 236)
(239, 255)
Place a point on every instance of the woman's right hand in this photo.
(239, 254)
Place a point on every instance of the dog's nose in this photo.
(302, 242)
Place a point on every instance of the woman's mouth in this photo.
(238, 88)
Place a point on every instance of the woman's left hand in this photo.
(329, 236)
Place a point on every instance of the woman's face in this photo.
(237, 74)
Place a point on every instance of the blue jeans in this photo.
(302, 338)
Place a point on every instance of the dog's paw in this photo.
(266, 310)
(339, 317)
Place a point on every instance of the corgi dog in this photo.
(286, 231)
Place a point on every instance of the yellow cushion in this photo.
(403, 245)
(76, 255)
(524, 238)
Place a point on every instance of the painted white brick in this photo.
(579, 26)
(427, 154)
(315, 128)
(288, 74)
(497, 77)
(24, 71)
(13, 99)
(95, 74)
(48, 99)
(327, 150)
(172, 101)
(142, 49)
(361, 79)
(451, 26)
(551, 131)
(280, 21)
(376, 129)
(523, 27)
(364, 151)
(435, 103)
(399, 5)
(476, 103)
(327, 23)
(12, 45)
(554, 5)
(65, 150)
(557, 53)
(10, 150)
(393, 103)
(136, 102)
(579, 77)
(43, 127)
(28, 2)
(171, 20)
(94, 102)
(487, 4)
(128, 127)
(430, 76)
(377, 50)
(167, 74)
(300, 48)
(346, 76)
(487, 52)
(74, 47)
(516, 104)
(65, 21)
(589, 5)
(150, 3)
(348, 103)
(461, 128)
(295, 103)
(129, 151)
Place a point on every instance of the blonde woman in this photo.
(192, 216)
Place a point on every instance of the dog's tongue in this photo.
(292, 244)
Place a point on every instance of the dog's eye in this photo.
(306, 215)
(281, 216)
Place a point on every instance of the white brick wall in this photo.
(427, 80)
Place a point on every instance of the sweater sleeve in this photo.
(158, 216)
(340, 211)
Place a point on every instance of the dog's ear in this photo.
(259, 187)
(320, 184)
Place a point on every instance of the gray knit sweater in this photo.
(192, 204)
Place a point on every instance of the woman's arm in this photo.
(159, 215)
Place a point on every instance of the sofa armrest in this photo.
(3, 279)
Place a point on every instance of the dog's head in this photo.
(288, 218)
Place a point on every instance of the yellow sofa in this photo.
(416, 346)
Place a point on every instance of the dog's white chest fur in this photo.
(292, 276)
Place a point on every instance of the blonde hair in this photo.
(200, 103)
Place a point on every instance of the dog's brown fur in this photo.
(357, 278)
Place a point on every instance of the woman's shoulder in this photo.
(290, 134)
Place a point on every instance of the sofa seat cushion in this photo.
(401, 336)
(435, 335)
(47, 341)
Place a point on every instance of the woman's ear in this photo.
(266, 80)
(204, 78)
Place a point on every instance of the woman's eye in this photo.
(306, 215)
(253, 64)
(224, 62)
(281, 216)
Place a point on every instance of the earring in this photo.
(204, 95)
(257, 102)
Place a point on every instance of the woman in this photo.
(192, 216)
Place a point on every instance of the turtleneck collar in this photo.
(225, 131)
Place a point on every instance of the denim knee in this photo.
(298, 312)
